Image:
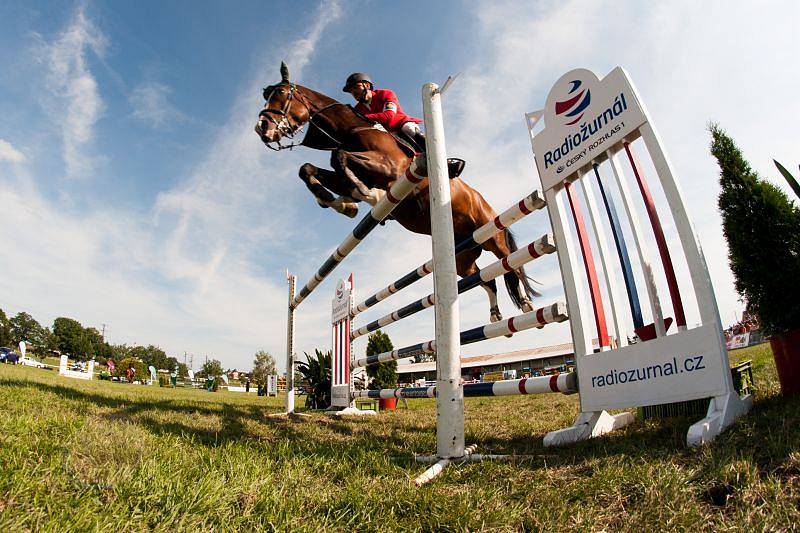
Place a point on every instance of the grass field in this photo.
(78, 455)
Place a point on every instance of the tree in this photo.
(263, 366)
(71, 338)
(25, 328)
(211, 368)
(383, 375)
(152, 356)
(317, 374)
(5, 330)
(762, 227)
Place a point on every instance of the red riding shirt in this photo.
(385, 109)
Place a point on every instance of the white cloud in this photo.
(150, 103)
(9, 153)
(74, 101)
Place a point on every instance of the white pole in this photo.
(292, 279)
(450, 394)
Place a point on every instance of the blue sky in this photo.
(135, 193)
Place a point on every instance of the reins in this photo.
(289, 130)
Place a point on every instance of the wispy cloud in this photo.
(10, 154)
(74, 100)
(150, 103)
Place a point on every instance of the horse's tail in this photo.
(513, 281)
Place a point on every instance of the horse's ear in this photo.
(284, 72)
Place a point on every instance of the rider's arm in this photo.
(389, 113)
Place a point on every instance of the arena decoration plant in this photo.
(762, 227)
(382, 375)
(317, 375)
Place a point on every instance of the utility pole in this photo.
(103, 341)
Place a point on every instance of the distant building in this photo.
(525, 363)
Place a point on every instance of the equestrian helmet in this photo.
(354, 78)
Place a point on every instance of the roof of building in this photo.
(496, 359)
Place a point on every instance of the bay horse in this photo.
(366, 161)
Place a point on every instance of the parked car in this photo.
(8, 355)
(27, 361)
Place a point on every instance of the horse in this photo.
(366, 161)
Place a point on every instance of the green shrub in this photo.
(762, 227)
(382, 375)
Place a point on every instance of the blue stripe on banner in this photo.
(366, 225)
(472, 335)
(622, 252)
(327, 267)
(479, 389)
(342, 352)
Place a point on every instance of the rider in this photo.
(382, 106)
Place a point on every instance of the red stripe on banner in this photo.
(391, 198)
(591, 271)
(532, 250)
(334, 362)
(504, 262)
(661, 241)
(524, 208)
(511, 327)
(426, 269)
(522, 386)
(540, 315)
(554, 383)
(430, 299)
(347, 352)
(565, 105)
(498, 224)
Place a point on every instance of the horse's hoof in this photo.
(350, 210)
(527, 306)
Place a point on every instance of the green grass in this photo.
(78, 455)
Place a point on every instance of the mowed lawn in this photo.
(96, 455)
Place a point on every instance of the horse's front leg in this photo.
(342, 162)
(314, 177)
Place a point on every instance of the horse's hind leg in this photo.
(311, 176)
(517, 284)
(466, 266)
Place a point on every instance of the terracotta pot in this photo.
(786, 350)
(388, 403)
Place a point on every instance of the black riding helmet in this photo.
(354, 78)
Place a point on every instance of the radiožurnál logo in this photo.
(573, 107)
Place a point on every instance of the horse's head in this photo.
(284, 112)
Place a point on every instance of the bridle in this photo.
(284, 125)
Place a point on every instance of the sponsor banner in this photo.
(584, 116)
(493, 376)
(678, 367)
(341, 302)
(739, 341)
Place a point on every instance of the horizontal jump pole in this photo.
(537, 318)
(379, 211)
(564, 383)
(523, 208)
(542, 246)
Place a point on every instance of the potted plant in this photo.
(762, 227)
(316, 374)
(382, 375)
